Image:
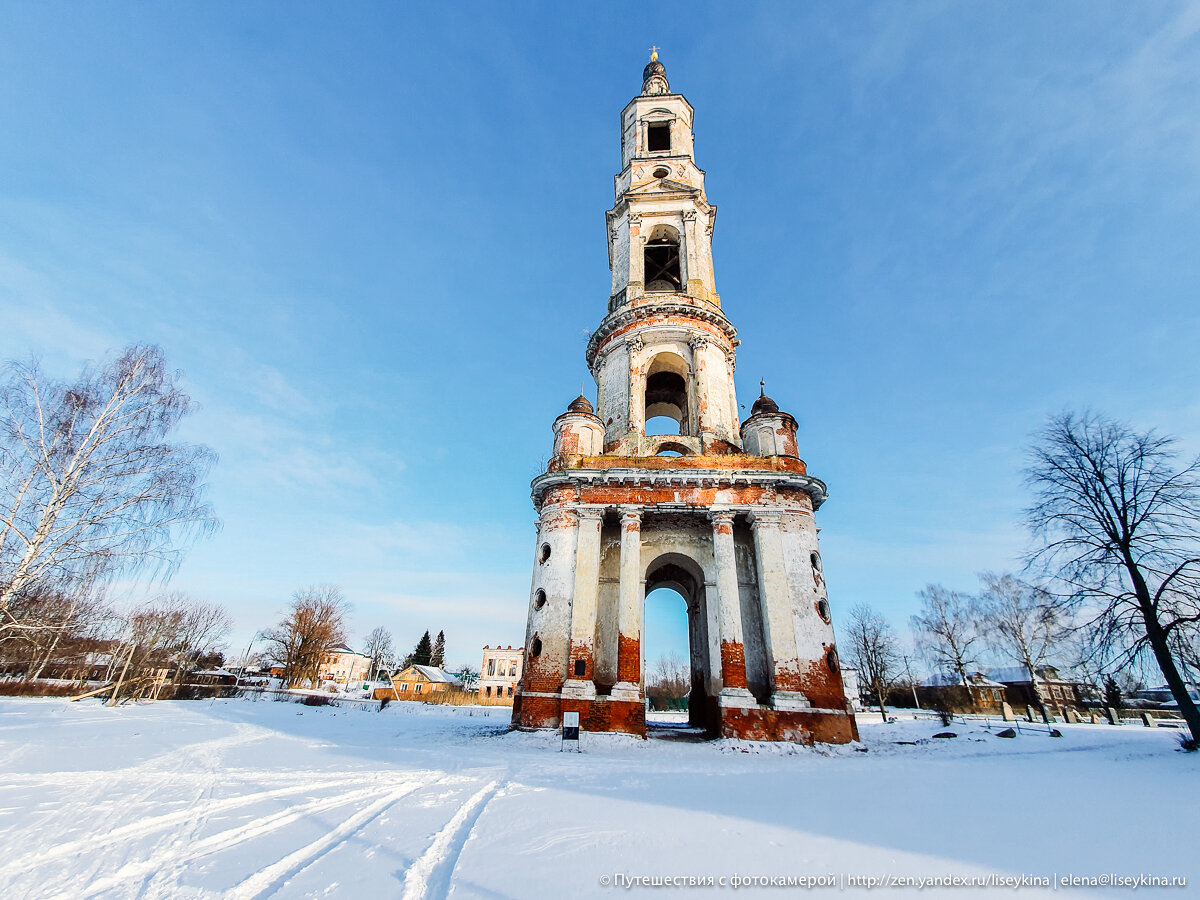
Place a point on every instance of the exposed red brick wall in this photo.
(604, 715)
(536, 712)
(629, 659)
(733, 664)
(580, 651)
(543, 673)
(797, 726)
(733, 463)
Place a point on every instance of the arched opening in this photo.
(662, 425)
(668, 669)
(675, 590)
(661, 258)
(666, 395)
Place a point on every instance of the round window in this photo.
(831, 660)
(539, 599)
(544, 553)
(535, 649)
(823, 609)
(662, 172)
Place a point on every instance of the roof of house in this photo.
(342, 648)
(433, 673)
(950, 679)
(1019, 674)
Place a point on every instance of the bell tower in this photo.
(659, 485)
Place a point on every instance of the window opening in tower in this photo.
(658, 137)
(662, 266)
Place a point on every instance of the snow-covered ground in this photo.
(247, 799)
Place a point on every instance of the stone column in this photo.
(699, 345)
(733, 656)
(629, 608)
(581, 684)
(635, 398)
(692, 279)
(774, 597)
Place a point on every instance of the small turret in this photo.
(579, 430)
(769, 432)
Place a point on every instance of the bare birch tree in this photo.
(947, 631)
(380, 650)
(315, 623)
(89, 485)
(874, 650)
(1116, 518)
(1024, 623)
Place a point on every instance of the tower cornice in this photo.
(619, 319)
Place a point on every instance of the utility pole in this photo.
(912, 684)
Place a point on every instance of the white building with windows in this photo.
(500, 674)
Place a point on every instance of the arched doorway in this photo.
(674, 573)
(665, 643)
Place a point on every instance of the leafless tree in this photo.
(89, 485)
(380, 650)
(1024, 623)
(199, 630)
(671, 678)
(1116, 518)
(947, 631)
(874, 650)
(41, 626)
(315, 623)
(171, 633)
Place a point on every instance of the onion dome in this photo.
(654, 76)
(580, 404)
(763, 404)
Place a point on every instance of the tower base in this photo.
(750, 721)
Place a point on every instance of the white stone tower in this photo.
(721, 512)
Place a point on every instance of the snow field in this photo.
(258, 799)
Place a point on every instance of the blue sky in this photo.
(372, 237)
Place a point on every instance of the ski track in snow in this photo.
(190, 802)
(267, 880)
(429, 876)
(176, 861)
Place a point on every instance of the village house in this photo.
(499, 674)
(1058, 693)
(344, 666)
(419, 683)
(945, 690)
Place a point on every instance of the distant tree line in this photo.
(1112, 579)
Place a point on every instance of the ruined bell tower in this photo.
(720, 511)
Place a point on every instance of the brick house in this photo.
(1058, 692)
(499, 674)
(946, 690)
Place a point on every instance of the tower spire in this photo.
(654, 76)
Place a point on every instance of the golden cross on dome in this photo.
(653, 54)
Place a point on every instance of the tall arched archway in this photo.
(682, 575)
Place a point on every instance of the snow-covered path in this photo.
(255, 799)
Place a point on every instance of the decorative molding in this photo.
(721, 516)
(618, 319)
(698, 342)
(689, 215)
(635, 343)
(703, 478)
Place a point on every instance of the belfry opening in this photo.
(660, 486)
(661, 259)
